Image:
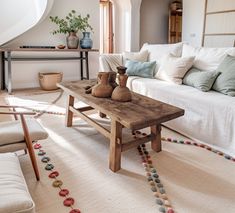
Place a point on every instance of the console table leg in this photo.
(87, 66)
(81, 64)
(9, 86)
(115, 146)
(69, 114)
(156, 143)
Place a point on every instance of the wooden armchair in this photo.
(20, 133)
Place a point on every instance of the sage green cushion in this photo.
(225, 83)
(142, 69)
(202, 80)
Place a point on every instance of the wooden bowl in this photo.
(61, 46)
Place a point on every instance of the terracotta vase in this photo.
(72, 41)
(121, 93)
(103, 89)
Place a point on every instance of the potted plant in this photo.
(71, 24)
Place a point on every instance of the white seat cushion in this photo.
(14, 195)
(12, 131)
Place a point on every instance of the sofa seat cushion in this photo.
(14, 195)
(209, 117)
(12, 131)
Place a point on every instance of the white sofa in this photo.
(209, 116)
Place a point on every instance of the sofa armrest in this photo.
(110, 62)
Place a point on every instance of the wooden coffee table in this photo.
(140, 113)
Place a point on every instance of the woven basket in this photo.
(49, 80)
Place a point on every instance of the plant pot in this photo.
(86, 42)
(48, 81)
(72, 40)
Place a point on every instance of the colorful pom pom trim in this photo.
(68, 201)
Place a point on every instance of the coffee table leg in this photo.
(156, 143)
(69, 114)
(115, 146)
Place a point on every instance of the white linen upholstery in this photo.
(207, 59)
(14, 195)
(209, 117)
(141, 56)
(157, 51)
(12, 132)
(110, 62)
(13, 147)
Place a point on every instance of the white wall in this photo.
(122, 25)
(135, 26)
(126, 25)
(193, 20)
(16, 20)
(25, 73)
(154, 21)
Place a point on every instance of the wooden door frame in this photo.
(206, 13)
(110, 24)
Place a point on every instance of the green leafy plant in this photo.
(71, 23)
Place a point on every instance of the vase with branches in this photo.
(70, 25)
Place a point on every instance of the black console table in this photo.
(83, 56)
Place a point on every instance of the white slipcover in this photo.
(14, 195)
(209, 116)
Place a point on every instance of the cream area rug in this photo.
(195, 180)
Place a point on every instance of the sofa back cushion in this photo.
(141, 56)
(173, 69)
(157, 51)
(206, 58)
(225, 83)
(199, 79)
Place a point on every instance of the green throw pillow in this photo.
(225, 83)
(202, 80)
(142, 69)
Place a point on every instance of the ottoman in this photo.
(14, 194)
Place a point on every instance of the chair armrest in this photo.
(17, 113)
(14, 112)
(10, 106)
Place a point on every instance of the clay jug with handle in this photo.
(103, 89)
